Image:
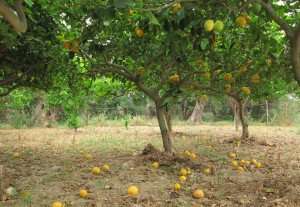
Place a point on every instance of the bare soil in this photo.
(45, 165)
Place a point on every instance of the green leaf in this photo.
(153, 19)
(121, 4)
(204, 43)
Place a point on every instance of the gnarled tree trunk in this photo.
(163, 126)
(295, 45)
(235, 110)
(16, 18)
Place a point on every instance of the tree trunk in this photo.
(197, 113)
(242, 117)
(167, 142)
(295, 45)
(267, 111)
(169, 121)
(235, 110)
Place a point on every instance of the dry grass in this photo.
(51, 167)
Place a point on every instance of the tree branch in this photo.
(281, 22)
(16, 18)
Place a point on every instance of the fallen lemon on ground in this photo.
(253, 161)
(240, 169)
(174, 78)
(193, 156)
(182, 178)
(258, 165)
(106, 167)
(232, 155)
(155, 165)
(198, 194)
(209, 25)
(96, 170)
(189, 171)
(83, 193)
(57, 204)
(187, 153)
(16, 155)
(177, 187)
(207, 171)
(133, 190)
(183, 172)
(242, 162)
(234, 163)
(88, 156)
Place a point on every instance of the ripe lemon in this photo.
(241, 21)
(247, 162)
(219, 26)
(193, 156)
(83, 193)
(57, 204)
(234, 163)
(187, 153)
(96, 170)
(133, 190)
(209, 25)
(176, 7)
(253, 161)
(198, 194)
(16, 155)
(242, 162)
(106, 167)
(155, 165)
(258, 165)
(177, 187)
(182, 178)
(240, 169)
(139, 32)
(232, 155)
(189, 171)
(183, 172)
(88, 156)
(228, 77)
(174, 78)
(255, 78)
(207, 171)
(246, 90)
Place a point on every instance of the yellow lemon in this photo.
(176, 7)
(83, 193)
(207, 171)
(96, 170)
(177, 187)
(106, 167)
(139, 32)
(232, 155)
(57, 204)
(183, 172)
(198, 193)
(182, 178)
(241, 21)
(234, 163)
(133, 190)
(246, 90)
(255, 78)
(155, 165)
(209, 25)
(258, 165)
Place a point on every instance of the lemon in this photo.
(83, 193)
(209, 25)
(241, 21)
(139, 32)
(176, 7)
(177, 187)
(183, 172)
(207, 171)
(258, 165)
(174, 78)
(182, 178)
(227, 88)
(246, 90)
(155, 165)
(234, 163)
(232, 155)
(193, 156)
(96, 170)
(228, 77)
(219, 26)
(106, 167)
(57, 204)
(198, 194)
(255, 78)
(133, 190)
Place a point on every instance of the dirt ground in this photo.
(45, 165)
